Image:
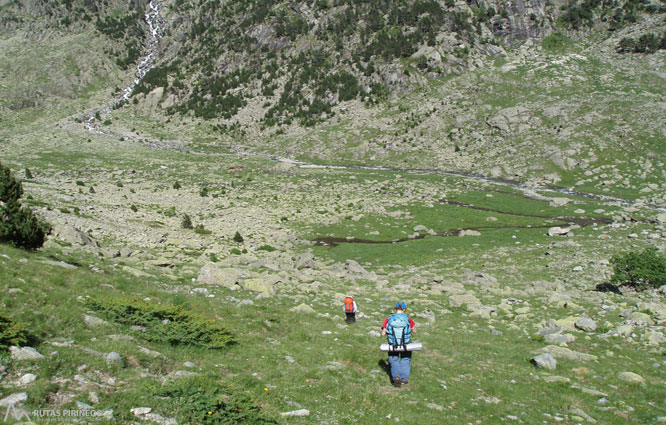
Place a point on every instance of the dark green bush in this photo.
(266, 248)
(206, 400)
(200, 229)
(10, 188)
(13, 333)
(187, 222)
(164, 322)
(642, 270)
(18, 225)
(238, 238)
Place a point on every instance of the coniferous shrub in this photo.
(206, 400)
(18, 225)
(10, 188)
(200, 229)
(641, 270)
(13, 333)
(164, 322)
(28, 174)
(187, 222)
(238, 238)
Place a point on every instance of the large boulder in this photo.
(467, 299)
(24, 353)
(586, 324)
(631, 378)
(354, 268)
(72, 235)
(212, 274)
(565, 353)
(302, 308)
(259, 284)
(544, 361)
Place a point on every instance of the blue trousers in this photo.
(400, 364)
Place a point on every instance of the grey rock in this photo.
(93, 321)
(74, 236)
(183, 374)
(262, 285)
(13, 399)
(559, 339)
(586, 324)
(305, 261)
(300, 412)
(140, 411)
(353, 267)
(83, 406)
(302, 308)
(557, 231)
(588, 390)
(113, 358)
(152, 353)
(126, 251)
(212, 274)
(24, 353)
(28, 378)
(565, 353)
(544, 361)
(631, 378)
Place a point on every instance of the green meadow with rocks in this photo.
(189, 191)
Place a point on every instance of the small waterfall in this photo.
(156, 26)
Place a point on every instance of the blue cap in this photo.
(401, 305)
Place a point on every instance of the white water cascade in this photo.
(156, 26)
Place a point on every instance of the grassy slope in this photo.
(468, 372)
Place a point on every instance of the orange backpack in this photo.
(349, 305)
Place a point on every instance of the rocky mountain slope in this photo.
(503, 155)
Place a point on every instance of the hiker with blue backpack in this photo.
(399, 327)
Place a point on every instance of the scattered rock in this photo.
(300, 412)
(212, 274)
(113, 358)
(26, 379)
(93, 321)
(556, 379)
(24, 353)
(631, 378)
(302, 308)
(74, 236)
(13, 399)
(353, 267)
(565, 353)
(544, 361)
(557, 231)
(262, 285)
(586, 324)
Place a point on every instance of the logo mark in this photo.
(16, 412)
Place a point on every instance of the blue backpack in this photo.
(398, 330)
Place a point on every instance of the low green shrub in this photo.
(187, 222)
(200, 229)
(266, 248)
(13, 333)
(642, 270)
(164, 322)
(206, 400)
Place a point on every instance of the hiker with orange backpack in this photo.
(350, 309)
